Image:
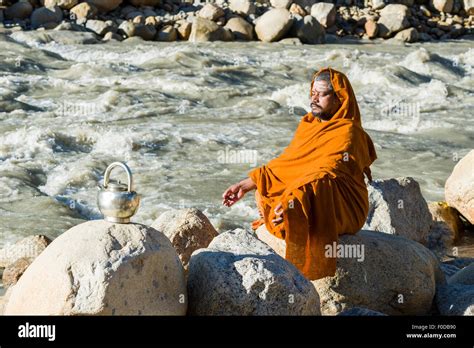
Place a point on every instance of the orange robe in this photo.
(319, 179)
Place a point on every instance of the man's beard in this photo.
(323, 115)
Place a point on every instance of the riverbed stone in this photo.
(396, 276)
(14, 271)
(19, 10)
(242, 29)
(408, 35)
(325, 13)
(187, 229)
(211, 12)
(442, 5)
(396, 206)
(308, 30)
(45, 15)
(273, 25)
(393, 18)
(84, 10)
(459, 187)
(206, 30)
(242, 7)
(105, 5)
(239, 275)
(64, 4)
(102, 268)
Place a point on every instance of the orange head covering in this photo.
(319, 180)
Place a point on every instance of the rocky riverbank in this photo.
(299, 21)
(407, 264)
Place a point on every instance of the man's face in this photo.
(324, 102)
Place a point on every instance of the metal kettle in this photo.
(116, 201)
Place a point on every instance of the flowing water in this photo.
(190, 120)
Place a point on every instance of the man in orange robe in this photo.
(315, 190)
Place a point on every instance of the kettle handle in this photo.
(125, 167)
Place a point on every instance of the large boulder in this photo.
(46, 17)
(242, 7)
(464, 276)
(325, 13)
(455, 299)
(459, 188)
(206, 30)
(396, 206)
(393, 18)
(102, 268)
(29, 247)
(308, 30)
(392, 275)
(65, 37)
(239, 275)
(241, 29)
(187, 229)
(273, 25)
(442, 5)
(19, 10)
(408, 35)
(211, 12)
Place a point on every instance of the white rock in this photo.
(239, 275)
(378, 4)
(65, 4)
(396, 206)
(468, 6)
(242, 7)
(459, 188)
(211, 12)
(273, 25)
(442, 5)
(325, 13)
(98, 27)
(281, 3)
(393, 18)
(101, 268)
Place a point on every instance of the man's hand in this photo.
(278, 212)
(235, 192)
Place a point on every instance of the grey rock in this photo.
(65, 37)
(44, 15)
(309, 31)
(397, 276)
(240, 275)
(396, 206)
(358, 311)
(455, 299)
